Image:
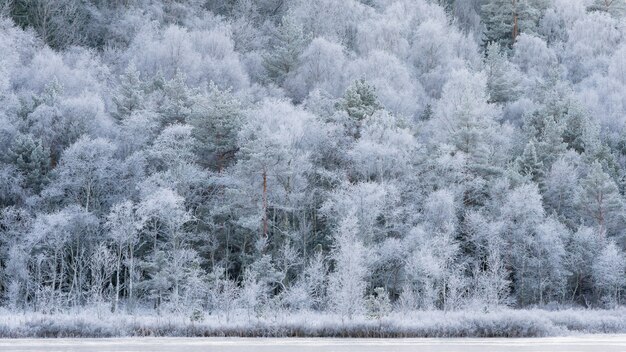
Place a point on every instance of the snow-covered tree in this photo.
(346, 285)
(506, 19)
(130, 96)
(122, 225)
(216, 122)
(608, 274)
(288, 42)
(600, 201)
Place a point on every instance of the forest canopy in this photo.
(350, 156)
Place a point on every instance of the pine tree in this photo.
(286, 46)
(130, 96)
(32, 159)
(503, 78)
(505, 19)
(359, 102)
(576, 125)
(600, 200)
(178, 100)
(216, 125)
(529, 165)
(614, 7)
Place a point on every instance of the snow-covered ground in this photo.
(604, 343)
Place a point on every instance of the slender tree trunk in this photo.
(131, 268)
(515, 21)
(117, 279)
(264, 203)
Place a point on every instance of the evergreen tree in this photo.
(600, 201)
(503, 78)
(288, 42)
(529, 165)
(130, 96)
(359, 102)
(216, 123)
(504, 20)
(178, 100)
(614, 7)
(32, 160)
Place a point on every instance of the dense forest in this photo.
(354, 156)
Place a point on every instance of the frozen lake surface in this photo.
(587, 343)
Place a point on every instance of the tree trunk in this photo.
(117, 280)
(515, 22)
(264, 203)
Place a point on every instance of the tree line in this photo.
(353, 157)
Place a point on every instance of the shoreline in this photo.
(505, 323)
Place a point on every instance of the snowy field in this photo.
(604, 343)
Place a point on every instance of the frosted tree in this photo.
(255, 157)
(321, 66)
(436, 280)
(433, 269)
(216, 123)
(253, 294)
(385, 149)
(583, 249)
(60, 245)
(550, 272)
(13, 257)
(359, 101)
(546, 127)
(288, 42)
(178, 100)
(378, 304)
(463, 128)
(171, 266)
(314, 281)
(51, 20)
(347, 282)
(614, 7)
(32, 160)
(223, 292)
(491, 284)
(329, 19)
(608, 273)
(391, 77)
(172, 148)
(503, 79)
(561, 187)
(130, 96)
(122, 230)
(369, 202)
(533, 56)
(505, 19)
(583, 55)
(162, 215)
(273, 159)
(600, 201)
(101, 267)
(529, 165)
(86, 175)
(523, 212)
(463, 117)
